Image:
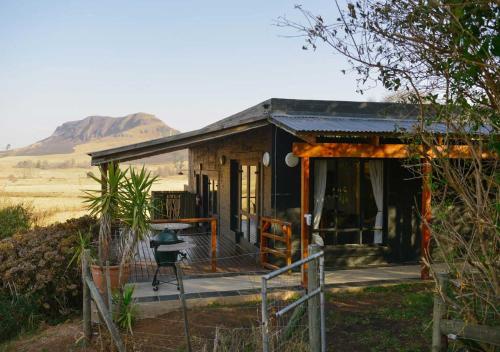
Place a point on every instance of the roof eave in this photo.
(168, 144)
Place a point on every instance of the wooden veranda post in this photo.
(304, 209)
(213, 253)
(104, 175)
(426, 217)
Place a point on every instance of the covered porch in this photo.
(358, 172)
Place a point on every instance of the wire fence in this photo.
(290, 328)
(216, 327)
(223, 327)
(295, 323)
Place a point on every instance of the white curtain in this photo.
(377, 179)
(320, 172)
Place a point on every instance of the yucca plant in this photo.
(125, 308)
(135, 210)
(84, 242)
(126, 200)
(107, 206)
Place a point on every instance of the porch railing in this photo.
(272, 231)
(173, 204)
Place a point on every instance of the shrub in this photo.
(15, 218)
(35, 264)
(18, 314)
(126, 310)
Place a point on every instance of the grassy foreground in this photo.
(393, 318)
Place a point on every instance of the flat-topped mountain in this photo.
(99, 131)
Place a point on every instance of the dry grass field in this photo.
(53, 184)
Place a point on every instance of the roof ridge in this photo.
(354, 116)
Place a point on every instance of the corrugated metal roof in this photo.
(305, 123)
(292, 115)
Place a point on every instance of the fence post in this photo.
(213, 226)
(108, 291)
(86, 308)
(322, 301)
(265, 317)
(313, 303)
(184, 308)
(437, 315)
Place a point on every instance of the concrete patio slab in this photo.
(239, 285)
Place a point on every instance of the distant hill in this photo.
(98, 132)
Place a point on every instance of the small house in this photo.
(330, 172)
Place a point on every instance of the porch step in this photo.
(355, 255)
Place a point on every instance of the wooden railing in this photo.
(443, 328)
(91, 292)
(173, 204)
(213, 233)
(273, 230)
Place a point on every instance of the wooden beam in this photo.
(384, 151)
(86, 307)
(304, 209)
(103, 310)
(308, 137)
(482, 333)
(426, 218)
(350, 150)
(288, 234)
(104, 178)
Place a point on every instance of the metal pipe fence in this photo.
(282, 319)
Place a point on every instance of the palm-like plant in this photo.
(126, 199)
(125, 312)
(106, 204)
(135, 210)
(84, 242)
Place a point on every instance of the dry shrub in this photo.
(35, 264)
(250, 339)
(466, 235)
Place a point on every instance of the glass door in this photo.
(248, 202)
(349, 209)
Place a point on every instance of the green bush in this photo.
(18, 314)
(35, 264)
(15, 218)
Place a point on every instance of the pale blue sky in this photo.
(188, 62)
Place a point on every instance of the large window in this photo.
(248, 218)
(349, 208)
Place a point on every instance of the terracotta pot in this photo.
(114, 272)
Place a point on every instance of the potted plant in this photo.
(123, 206)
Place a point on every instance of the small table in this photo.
(174, 226)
